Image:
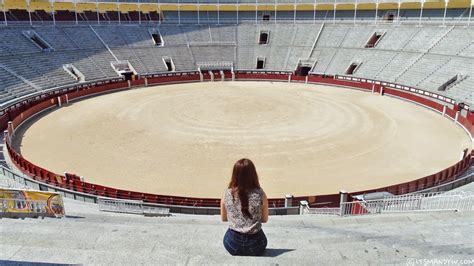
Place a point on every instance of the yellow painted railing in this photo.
(227, 5)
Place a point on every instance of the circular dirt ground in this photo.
(184, 139)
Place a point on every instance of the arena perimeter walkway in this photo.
(87, 236)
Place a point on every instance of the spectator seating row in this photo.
(424, 57)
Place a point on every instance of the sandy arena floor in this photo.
(184, 139)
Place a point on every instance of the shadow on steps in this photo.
(275, 252)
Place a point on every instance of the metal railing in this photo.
(218, 65)
(449, 201)
(322, 211)
(298, 20)
(242, 1)
(149, 208)
(130, 206)
(359, 20)
(436, 200)
(12, 182)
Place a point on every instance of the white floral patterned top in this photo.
(237, 221)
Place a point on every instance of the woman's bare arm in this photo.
(223, 211)
(265, 208)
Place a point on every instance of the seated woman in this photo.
(245, 207)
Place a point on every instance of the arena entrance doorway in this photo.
(303, 68)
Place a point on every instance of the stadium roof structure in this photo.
(230, 5)
(284, 11)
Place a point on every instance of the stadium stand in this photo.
(58, 52)
(432, 52)
(13, 85)
(424, 57)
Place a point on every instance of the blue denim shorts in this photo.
(239, 244)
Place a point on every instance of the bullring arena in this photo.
(122, 121)
(183, 139)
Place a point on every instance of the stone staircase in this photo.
(88, 236)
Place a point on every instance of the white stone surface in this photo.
(87, 236)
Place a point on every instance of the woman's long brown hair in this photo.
(244, 179)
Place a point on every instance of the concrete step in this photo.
(181, 239)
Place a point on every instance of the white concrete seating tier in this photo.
(87, 236)
(425, 56)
